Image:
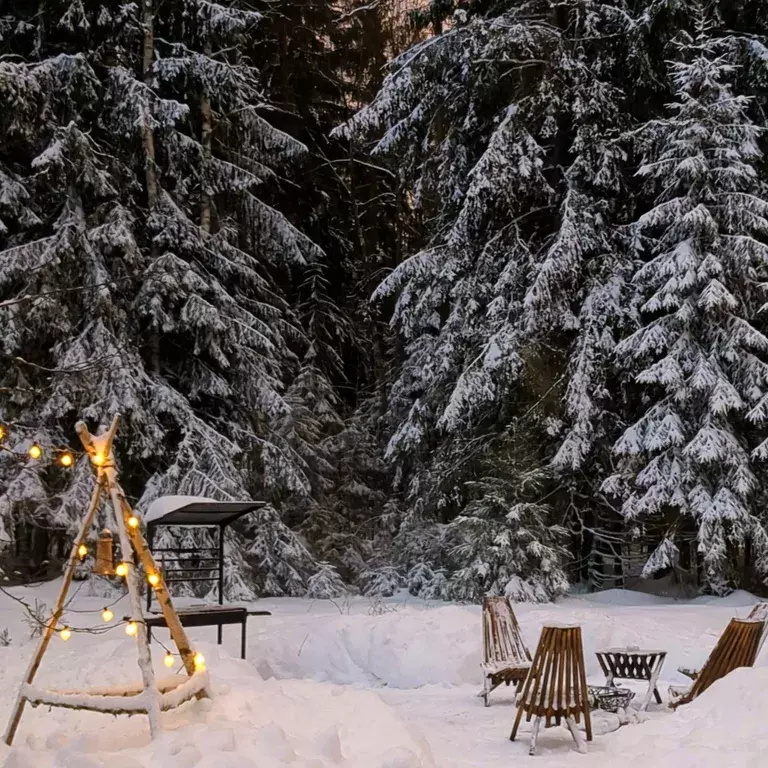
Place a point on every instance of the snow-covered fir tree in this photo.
(138, 260)
(699, 357)
(481, 119)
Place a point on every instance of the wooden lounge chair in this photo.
(758, 613)
(556, 686)
(506, 659)
(737, 647)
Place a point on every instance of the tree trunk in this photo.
(207, 130)
(149, 139)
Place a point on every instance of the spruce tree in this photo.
(699, 356)
(500, 308)
(140, 266)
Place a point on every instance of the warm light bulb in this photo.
(133, 521)
(35, 451)
(107, 615)
(98, 459)
(153, 579)
(169, 661)
(82, 551)
(131, 628)
(122, 569)
(65, 634)
(199, 661)
(2, 432)
(66, 459)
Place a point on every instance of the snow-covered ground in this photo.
(391, 684)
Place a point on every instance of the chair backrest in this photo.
(760, 613)
(556, 685)
(502, 638)
(737, 647)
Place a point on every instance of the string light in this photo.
(131, 628)
(82, 551)
(107, 615)
(98, 459)
(154, 579)
(2, 432)
(122, 569)
(35, 451)
(65, 634)
(199, 662)
(133, 521)
(66, 459)
(169, 660)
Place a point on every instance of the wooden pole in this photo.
(161, 591)
(58, 609)
(131, 578)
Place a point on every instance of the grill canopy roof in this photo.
(197, 511)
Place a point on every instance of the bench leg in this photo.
(652, 690)
(242, 641)
(219, 635)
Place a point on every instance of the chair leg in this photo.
(534, 736)
(581, 745)
(518, 718)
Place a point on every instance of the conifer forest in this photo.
(474, 293)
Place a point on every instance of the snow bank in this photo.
(723, 727)
(412, 645)
(250, 723)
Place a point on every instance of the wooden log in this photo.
(161, 591)
(132, 582)
(50, 629)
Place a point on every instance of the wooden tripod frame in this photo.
(148, 698)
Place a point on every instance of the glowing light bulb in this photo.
(66, 459)
(107, 615)
(169, 661)
(154, 579)
(65, 634)
(98, 458)
(35, 451)
(131, 628)
(82, 551)
(133, 521)
(122, 569)
(2, 432)
(199, 661)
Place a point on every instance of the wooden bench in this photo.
(506, 658)
(209, 616)
(737, 647)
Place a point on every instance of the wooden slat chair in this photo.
(556, 686)
(506, 658)
(759, 612)
(737, 647)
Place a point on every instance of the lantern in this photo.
(105, 554)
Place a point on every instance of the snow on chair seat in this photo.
(736, 647)
(506, 658)
(556, 686)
